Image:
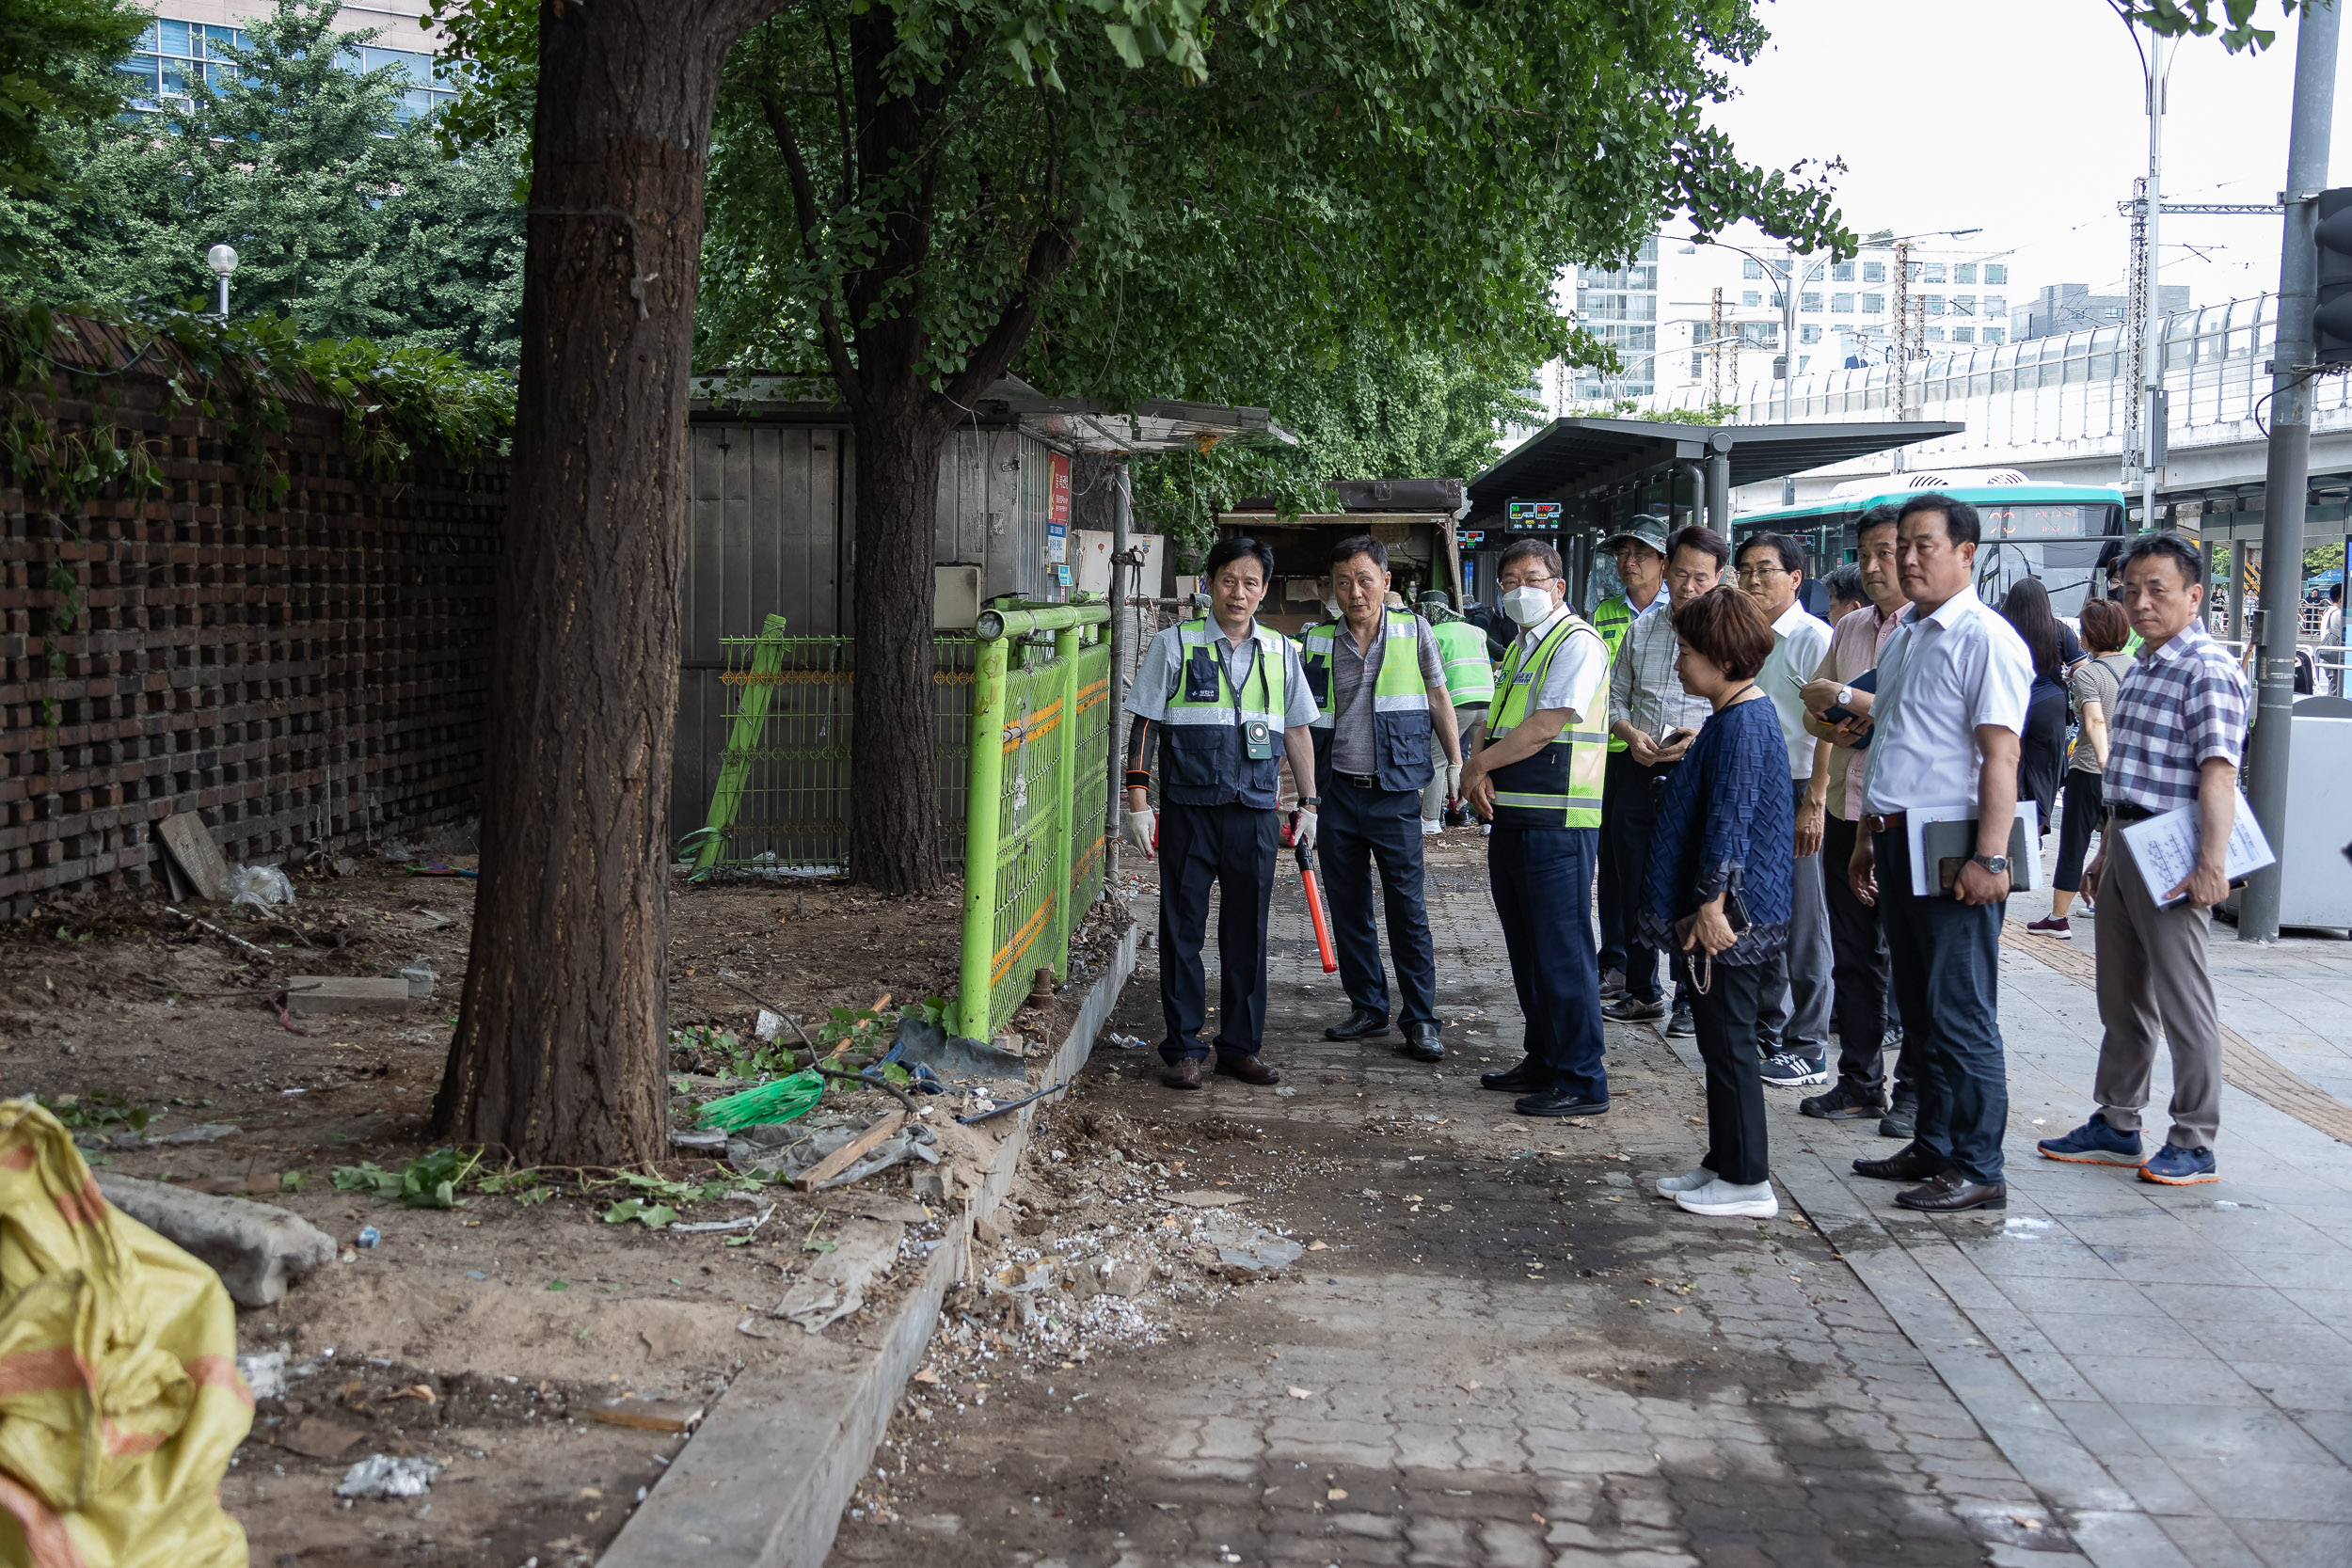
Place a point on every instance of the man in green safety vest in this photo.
(1640, 552)
(1469, 681)
(1224, 697)
(1380, 687)
(1538, 779)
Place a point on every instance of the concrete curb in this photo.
(765, 1478)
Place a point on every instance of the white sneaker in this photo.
(1430, 828)
(1689, 1181)
(1729, 1199)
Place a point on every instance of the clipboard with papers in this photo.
(1941, 833)
(2166, 848)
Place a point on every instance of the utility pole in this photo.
(2290, 454)
(2147, 299)
(1902, 331)
(1715, 350)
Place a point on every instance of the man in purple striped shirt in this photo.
(2177, 731)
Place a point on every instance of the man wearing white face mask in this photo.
(1538, 779)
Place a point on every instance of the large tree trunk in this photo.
(894, 820)
(560, 1046)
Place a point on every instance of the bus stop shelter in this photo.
(1599, 472)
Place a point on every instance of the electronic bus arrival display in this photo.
(1544, 515)
(2041, 522)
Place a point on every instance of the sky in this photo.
(2024, 120)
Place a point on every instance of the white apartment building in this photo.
(1660, 311)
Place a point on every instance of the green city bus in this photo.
(2061, 534)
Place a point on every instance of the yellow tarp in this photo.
(120, 1397)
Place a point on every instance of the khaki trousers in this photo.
(2153, 983)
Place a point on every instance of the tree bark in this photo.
(894, 821)
(560, 1047)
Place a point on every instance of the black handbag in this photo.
(1735, 916)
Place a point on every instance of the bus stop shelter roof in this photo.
(1161, 425)
(1572, 458)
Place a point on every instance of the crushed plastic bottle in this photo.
(264, 887)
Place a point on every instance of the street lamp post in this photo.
(223, 261)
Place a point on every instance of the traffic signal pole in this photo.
(2290, 454)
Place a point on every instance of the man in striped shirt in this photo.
(2175, 740)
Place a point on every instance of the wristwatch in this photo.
(1997, 864)
(1845, 696)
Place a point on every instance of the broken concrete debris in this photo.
(312, 994)
(835, 1284)
(257, 1249)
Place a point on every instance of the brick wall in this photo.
(309, 675)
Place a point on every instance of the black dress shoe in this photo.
(1363, 1024)
(1559, 1102)
(1183, 1074)
(1521, 1078)
(1248, 1070)
(1908, 1164)
(1952, 1193)
(1423, 1044)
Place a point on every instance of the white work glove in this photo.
(1302, 829)
(1452, 780)
(1141, 828)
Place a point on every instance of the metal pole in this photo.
(2237, 590)
(1718, 492)
(2152, 356)
(982, 831)
(2283, 498)
(1061, 785)
(1123, 498)
(1787, 337)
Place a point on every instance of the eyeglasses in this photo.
(1758, 574)
(1508, 583)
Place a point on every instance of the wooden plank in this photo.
(190, 843)
(850, 1153)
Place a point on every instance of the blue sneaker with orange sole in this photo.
(2094, 1143)
(2177, 1166)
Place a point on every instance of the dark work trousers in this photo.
(1631, 816)
(1947, 964)
(1863, 980)
(1359, 827)
(1233, 845)
(1612, 892)
(1797, 1002)
(2085, 797)
(1543, 887)
(1725, 1015)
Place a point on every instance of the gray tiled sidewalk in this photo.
(2171, 1366)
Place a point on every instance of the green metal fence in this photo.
(784, 795)
(1039, 793)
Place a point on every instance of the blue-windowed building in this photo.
(174, 53)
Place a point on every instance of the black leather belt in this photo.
(2122, 812)
(1357, 781)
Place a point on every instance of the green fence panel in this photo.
(785, 791)
(1027, 857)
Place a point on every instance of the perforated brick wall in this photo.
(307, 673)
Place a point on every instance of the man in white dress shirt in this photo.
(1950, 712)
(1795, 1025)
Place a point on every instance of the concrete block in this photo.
(311, 994)
(257, 1249)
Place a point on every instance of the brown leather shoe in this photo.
(1951, 1193)
(1184, 1074)
(1250, 1070)
(1908, 1164)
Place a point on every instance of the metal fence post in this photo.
(1065, 803)
(982, 827)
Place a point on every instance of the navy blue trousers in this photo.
(1233, 845)
(1947, 977)
(1359, 827)
(1543, 888)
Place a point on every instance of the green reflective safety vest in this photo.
(1203, 760)
(1469, 674)
(1560, 785)
(1400, 703)
(1613, 618)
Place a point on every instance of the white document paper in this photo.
(1925, 883)
(2166, 849)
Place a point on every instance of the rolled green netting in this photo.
(779, 1100)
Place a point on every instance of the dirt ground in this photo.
(488, 1336)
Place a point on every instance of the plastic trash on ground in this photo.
(779, 1100)
(264, 887)
(381, 1476)
(921, 1044)
(123, 1402)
